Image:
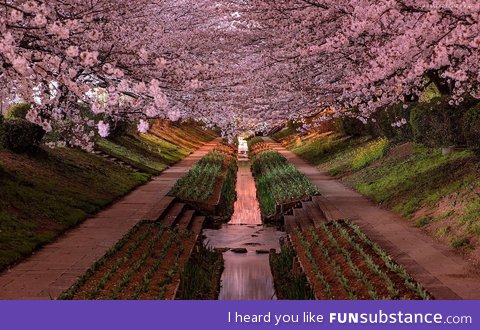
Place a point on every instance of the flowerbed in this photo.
(343, 263)
(278, 182)
(204, 181)
(145, 264)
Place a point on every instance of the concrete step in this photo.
(160, 209)
(175, 212)
(314, 212)
(196, 225)
(301, 218)
(329, 210)
(184, 221)
(289, 223)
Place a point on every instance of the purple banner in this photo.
(212, 315)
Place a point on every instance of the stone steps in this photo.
(185, 220)
(160, 209)
(175, 212)
(312, 213)
(329, 210)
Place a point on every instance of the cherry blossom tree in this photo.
(236, 64)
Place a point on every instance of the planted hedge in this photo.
(438, 122)
(471, 127)
(18, 111)
(343, 263)
(20, 135)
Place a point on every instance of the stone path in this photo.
(55, 267)
(246, 208)
(445, 274)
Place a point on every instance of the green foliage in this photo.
(20, 135)
(144, 161)
(132, 265)
(382, 120)
(374, 150)
(289, 285)
(289, 129)
(18, 111)
(471, 217)
(422, 222)
(350, 125)
(471, 127)
(200, 279)
(359, 258)
(324, 148)
(229, 191)
(199, 183)
(407, 184)
(254, 140)
(265, 196)
(275, 176)
(430, 93)
(460, 242)
(438, 123)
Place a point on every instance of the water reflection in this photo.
(247, 276)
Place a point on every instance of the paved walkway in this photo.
(445, 274)
(55, 267)
(246, 208)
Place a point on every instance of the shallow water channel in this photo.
(247, 276)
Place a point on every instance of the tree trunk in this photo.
(444, 87)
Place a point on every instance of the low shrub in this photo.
(351, 126)
(460, 242)
(18, 111)
(20, 135)
(471, 127)
(438, 123)
(381, 125)
(372, 151)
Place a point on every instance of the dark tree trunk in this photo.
(444, 87)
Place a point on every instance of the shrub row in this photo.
(18, 134)
(436, 123)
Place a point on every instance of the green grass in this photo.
(200, 181)
(460, 242)
(131, 156)
(471, 217)
(228, 194)
(422, 222)
(374, 150)
(43, 195)
(331, 148)
(188, 135)
(168, 152)
(421, 179)
(285, 132)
